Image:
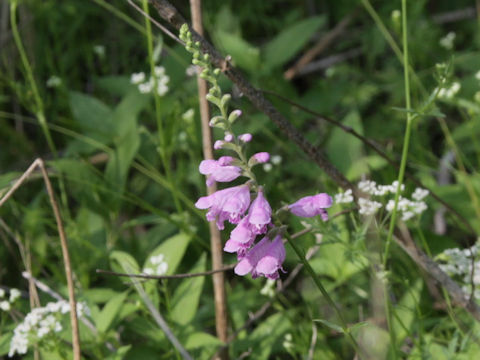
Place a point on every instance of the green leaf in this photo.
(331, 325)
(201, 339)
(172, 249)
(405, 310)
(187, 295)
(123, 262)
(290, 41)
(5, 343)
(93, 116)
(121, 352)
(244, 55)
(106, 317)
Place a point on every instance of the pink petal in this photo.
(207, 166)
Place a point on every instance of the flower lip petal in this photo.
(207, 166)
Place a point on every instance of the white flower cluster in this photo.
(458, 263)
(447, 41)
(146, 86)
(39, 323)
(368, 207)
(161, 266)
(344, 198)
(6, 304)
(408, 208)
(449, 92)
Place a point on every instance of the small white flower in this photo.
(269, 288)
(54, 81)
(2, 293)
(99, 50)
(267, 167)
(188, 115)
(159, 71)
(137, 78)
(162, 269)
(145, 88)
(157, 259)
(447, 41)
(368, 207)
(192, 70)
(344, 198)
(14, 295)
(148, 271)
(276, 159)
(5, 305)
(420, 194)
(367, 186)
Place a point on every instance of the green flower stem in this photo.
(324, 292)
(162, 148)
(401, 173)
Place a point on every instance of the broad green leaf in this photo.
(343, 149)
(93, 116)
(123, 262)
(243, 54)
(187, 295)
(5, 343)
(172, 249)
(290, 41)
(270, 331)
(109, 312)
(201, 339)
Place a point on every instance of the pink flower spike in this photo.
(245, 138)
(260, 213)
(261, 157)
(264, 259)
(228, 138)
(227, 204)
(310, 206)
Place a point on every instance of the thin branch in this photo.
(170, 14)
(165, 277)
(63, 242)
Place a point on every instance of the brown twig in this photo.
(320, 46)
(166, 277)
(170, 14)
(63, 242)
(221, 323)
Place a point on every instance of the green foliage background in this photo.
(118, 200)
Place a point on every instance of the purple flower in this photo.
(241, 238)
(259, 215)
(261, 157)
(228, 137)
(228, 204)
(219, 170)
(310, 206)
(264, 259)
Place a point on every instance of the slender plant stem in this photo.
(324, 292)
(162, 145)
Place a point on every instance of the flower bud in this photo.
(218, 144)
(245, 138)
(228, 137)
(234, 116)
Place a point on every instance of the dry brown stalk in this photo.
(221, 323)
(38, 163)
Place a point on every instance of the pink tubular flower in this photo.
(219, 170)
(259, 215)
(228, 204)
(241, 238)
(310, 206)
(261, 157)
(264, 259)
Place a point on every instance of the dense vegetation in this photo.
(110, 103)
